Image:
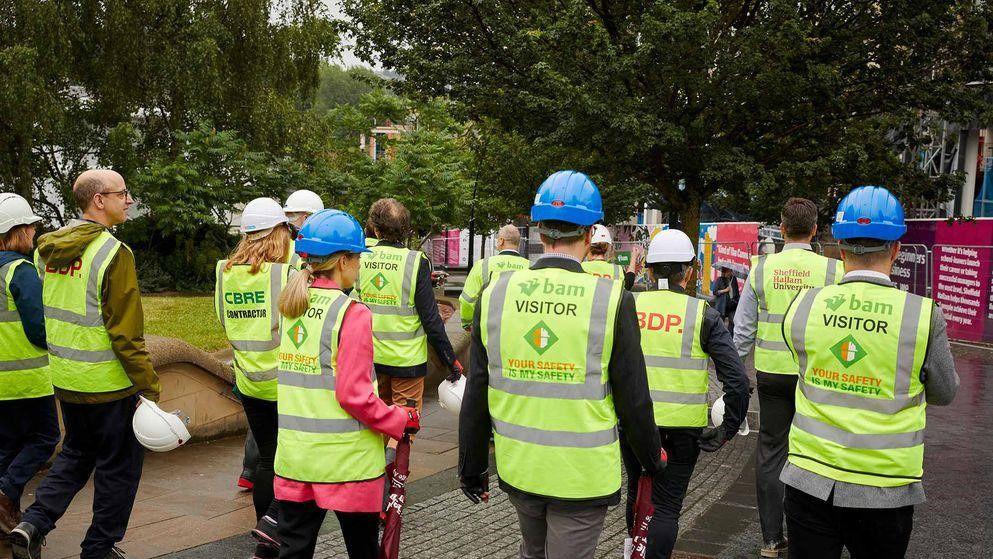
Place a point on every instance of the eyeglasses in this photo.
(122, 193)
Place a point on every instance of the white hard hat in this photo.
(600, 235)
(261, 214)
(303, 201)
(15, 211)
(717, 417)
(157, 430)
(450, 394)
(767, 246)
(670, 245)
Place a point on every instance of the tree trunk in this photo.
(689, 219)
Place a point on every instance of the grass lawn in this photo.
(187, 317)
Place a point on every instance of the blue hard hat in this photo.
(869, 212)
(330, 231)
(568, 196)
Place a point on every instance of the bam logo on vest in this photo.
(530, 287)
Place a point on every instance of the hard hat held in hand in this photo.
(717, 417)
(15, 211)
(157, 430)
(601, 235)
(450, 394)
(261, 214)
(670, 245)
(303, 201)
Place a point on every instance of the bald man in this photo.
(508, 257)
(99, 366)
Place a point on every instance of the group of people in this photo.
(573, 377)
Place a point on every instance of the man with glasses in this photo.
(99, 366)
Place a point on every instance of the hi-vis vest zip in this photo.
(548, 334)
(247, 307)
(671, 333)
(775, 279)
(319, 442)
(603, 269)
(387, 281)
(860, 408)
(81, 357)
(23, 367)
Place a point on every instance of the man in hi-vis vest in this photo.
(556, 365)
(508, 257)
(772, 283)
(99, 365)
(871, 358)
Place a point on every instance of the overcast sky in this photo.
(347, 58)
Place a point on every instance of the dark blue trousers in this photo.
(29, 431)
(99, 441)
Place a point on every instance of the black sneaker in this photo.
(774, 549)
(116, 553)
(25, 541)
(265, 531)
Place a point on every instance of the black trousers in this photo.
(299, 524)
(29, 431)
(99, 441)
(819, 529)
(777, 404)
(668, 487)
(263, 419)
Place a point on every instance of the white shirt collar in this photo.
(558, 255)
(866, 274)
(797, 246)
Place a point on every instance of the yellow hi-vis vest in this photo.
(387, 281)
(860, 407)
(671, 327)
(603, 269)
(479, 275)
(775, 279)
(23, 366)
(247, 306)
(292, 258)
(81, 358)
(319, 442)
(548, 335)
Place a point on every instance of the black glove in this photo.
(475, 487)
(457, 371)
(713, 438)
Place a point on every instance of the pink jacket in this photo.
(354, 392)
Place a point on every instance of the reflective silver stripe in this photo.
(689, 329)
(592, 389)
(832, 272)
(327, 341)
(314, 425)
(906, 347)
(219, 302)
(260, 376)
(82, 355)
(467, 299)
(395, 311)
(669, 397)
(5, 314)
(486, 270)
(399, 336)
(772, 345)
(798, 330)
(544, 437)
(618, 272)
(254, 345)
(407, 291)
(295, 260)
(275, 290)
(303, 380)
(760, 283)
(92, 316)
(689, 363)
(874, 441)
(771, 318)
(24, 364)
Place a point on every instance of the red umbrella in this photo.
(643, 511)
(397, 473)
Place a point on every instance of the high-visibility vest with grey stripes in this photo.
(319, 442)
(247, 307)
(479, 275)
(81, 358)
(775, 280)
(671, 325)
(860, 407)
(387, 281)
(604, 269)
(292, 258)
(548, 335)
(23, 366)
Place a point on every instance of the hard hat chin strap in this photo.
(862, 249)
(556, 234)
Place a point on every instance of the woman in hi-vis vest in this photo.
(29, 428)
(248, 286)
(330, 454)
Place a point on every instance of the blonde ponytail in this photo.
(295, 298)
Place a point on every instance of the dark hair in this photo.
(599, 249)
(673, 272)
(799, 217)
(391, 220)
(18, 239)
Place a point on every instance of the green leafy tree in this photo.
(340, 86)
(675, 102)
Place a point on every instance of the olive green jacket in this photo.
(122, 313)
